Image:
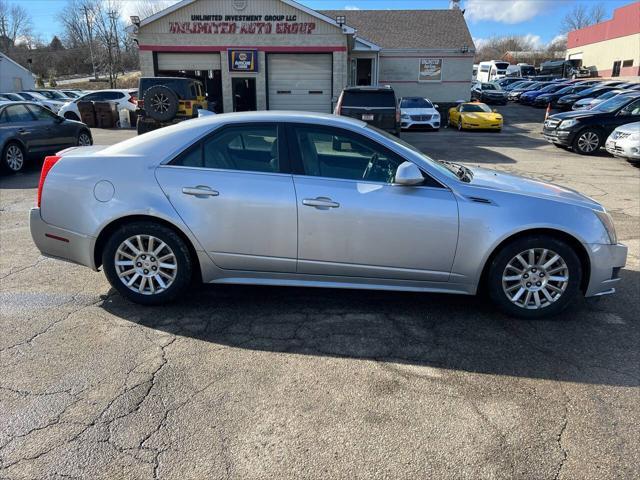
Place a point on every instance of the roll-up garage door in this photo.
(300, 82)
(188, 61)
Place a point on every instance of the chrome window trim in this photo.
(225, 170)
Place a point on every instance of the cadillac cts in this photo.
(284, 198)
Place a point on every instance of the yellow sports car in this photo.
(474, 115)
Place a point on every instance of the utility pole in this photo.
(93, 63)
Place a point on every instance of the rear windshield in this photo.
(369, 99)
(415, 103)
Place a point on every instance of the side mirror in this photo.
(494, 110)
(408, 174)
(436, 106)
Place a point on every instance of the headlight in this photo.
(607, 222)
(404, 116)
(567, 123)
(635, 137)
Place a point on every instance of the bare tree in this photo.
(580, 16)
(14, 23)
(146, 8)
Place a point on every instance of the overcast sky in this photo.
(539, 19)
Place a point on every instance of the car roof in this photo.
(369, 89)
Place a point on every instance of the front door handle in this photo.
(322, 203)
(201, 191)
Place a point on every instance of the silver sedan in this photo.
(284, 198)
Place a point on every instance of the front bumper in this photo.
(622, 148)
(60, 243)
(559, 137)
(486, 126)
(433, 124)
(606, 263)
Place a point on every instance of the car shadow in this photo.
(29, 178)
(590, 343)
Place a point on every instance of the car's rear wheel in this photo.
(147, 263)
(534, 277)
(13, 158)
(587, 142)
(160, 103)
(84, 139)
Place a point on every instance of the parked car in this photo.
(552, 98)
(474, 115)
(586, 131)
(506, 81)
(72, 94)
(515, 93)
(375, 105)
(167, 100)
(588, 102)
(513, 86)
(29, 130)
(51, 94)
(528, 98)
(566, 102)
(419, 112)
(489, 92)
(354, 207)
(11, 97)
(624, 142)
(125, 98)
(53, 105)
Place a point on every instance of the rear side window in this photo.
(251, 148)
(369, 99)
(17, 113)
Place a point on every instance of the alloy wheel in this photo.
(146, 264)
(14, 158)
(588, 142)
(160, 102)
(535, 278)
(84, 140)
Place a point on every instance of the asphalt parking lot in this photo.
(256, 382)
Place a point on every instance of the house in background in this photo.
(13, 76)
(610, 48)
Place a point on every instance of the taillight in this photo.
(397, 115)
(187, 104)
(49, 162)
(140, 103)
(133, 99)
(338, 110)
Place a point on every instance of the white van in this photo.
(492, 70)
(521, 70)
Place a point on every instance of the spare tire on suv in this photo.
(160, 103)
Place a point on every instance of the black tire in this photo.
(14, 158)
(84, 139)
(183, 262)
(160, 103)
(71, 116)
(510, 251)
(580, 142)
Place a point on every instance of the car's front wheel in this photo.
(534, 277)
(13, 158)
(587, 142)
(147, 262)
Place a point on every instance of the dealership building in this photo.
(282, 55)
(610, 48)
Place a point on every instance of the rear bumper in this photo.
(606, 262)
(60, 243)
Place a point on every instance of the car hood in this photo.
(629, 128)
(481, 116)
(577, 114)
(507, 182)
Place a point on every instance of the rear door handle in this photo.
(200, 191)
(320, 202)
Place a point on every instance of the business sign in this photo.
(243, 25)
(243, 60)
(430, 70)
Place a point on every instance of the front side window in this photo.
(17, 113)
(335, 153)
(632, 109)
(251, 148)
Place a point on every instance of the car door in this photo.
(352, 220)
(234, 192)
(53, 134)
(22, 124)
(454, 115)
(628, 114)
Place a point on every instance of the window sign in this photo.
(430, 70)
(243, 61)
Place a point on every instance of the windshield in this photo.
(536, 86)
(434, 163)
(474, 107)
(490, 86)
(610, 94)
(415, 103)
(612, 104)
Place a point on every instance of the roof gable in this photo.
(3, 57)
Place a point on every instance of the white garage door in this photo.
(188, 61)
(300, 82)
